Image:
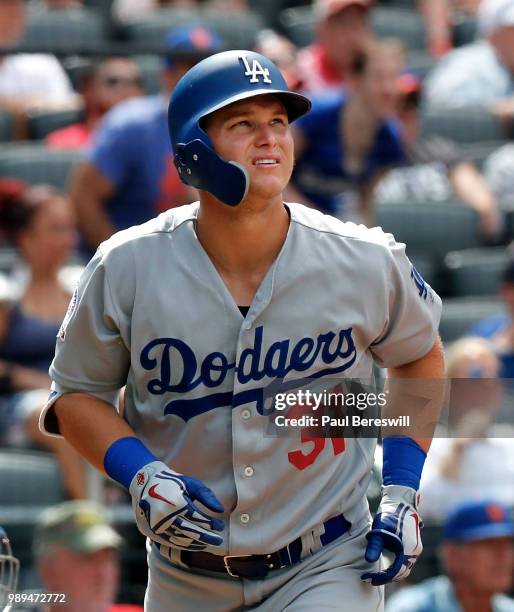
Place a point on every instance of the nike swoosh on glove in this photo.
(163, 502)
(396, 528)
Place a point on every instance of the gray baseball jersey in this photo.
(152, 312)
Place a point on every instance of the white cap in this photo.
(494, 14)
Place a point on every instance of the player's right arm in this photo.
(91, 365)
(163, 500)
(89, 190)
(90, 425)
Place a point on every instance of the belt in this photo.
(258, 566)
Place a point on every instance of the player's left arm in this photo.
(429, 371)
(396, 527)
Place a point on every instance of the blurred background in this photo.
(412, 129)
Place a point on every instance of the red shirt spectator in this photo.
(107, 83)
(74, 136)
(342, 33)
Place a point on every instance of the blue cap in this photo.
(474, 521)
(195, 40)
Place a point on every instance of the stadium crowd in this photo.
(413, 111)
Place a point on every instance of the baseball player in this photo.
(202, 310)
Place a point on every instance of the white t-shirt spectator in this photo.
(486, 471)
(472, 75)
(35, 77)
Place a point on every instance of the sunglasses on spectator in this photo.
(116, 81)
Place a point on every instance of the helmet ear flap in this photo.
(200, 166)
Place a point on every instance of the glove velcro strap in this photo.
(392, 541)
(399, 494)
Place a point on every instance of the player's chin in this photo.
(265, 192)
(268, 186)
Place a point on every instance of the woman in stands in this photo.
(350, 138)
(38, 221)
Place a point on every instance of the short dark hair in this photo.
(19, 204)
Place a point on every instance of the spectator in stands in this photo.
(77, 553)
(499, 329)
(283, 53)
(128, 175)
(478, 557)
(342, 32)
(39, 222)
(105, 84)
(347, 142)
(435, 169)
(28, 81)
(479, 74)
(469, 461)
(499, 174)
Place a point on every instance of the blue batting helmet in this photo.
(212, 84)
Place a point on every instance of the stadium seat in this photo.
(65, 31)
(237, 32)
(150, 66)
(432, 228)
(102, 6)
(9, 259)
(475, 271)
(404, 24)
(420, 63)
(270, 10)
(460, 313)
(298, 24)
(29, 478)
(463, 125)
(35, 163)
(6, 126)
(43, 123)
(464, 31)
(400, 3)
(31, 481)
(478, 152)
(509, 223)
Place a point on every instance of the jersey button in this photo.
(246, 414)
(248, 471)
(247, 325)
(244, 518)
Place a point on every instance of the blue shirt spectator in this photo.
(499, 328)
(350, 139)
(134, 135)
(321, 172)
(128, 175)
(491, 328)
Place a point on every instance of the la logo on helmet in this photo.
(255, 71)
